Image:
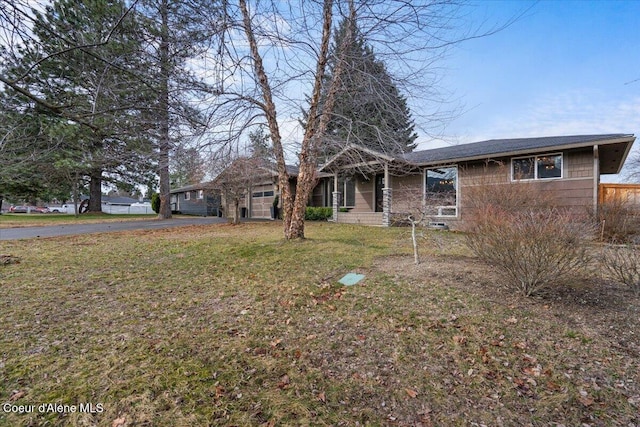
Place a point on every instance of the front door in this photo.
(379, 194)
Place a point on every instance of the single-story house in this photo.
(368, 187)
(201, 199)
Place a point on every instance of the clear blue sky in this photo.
(564, 68)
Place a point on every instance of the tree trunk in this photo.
(95, 191)
(236, 211)
(164, 143)
(294, 207)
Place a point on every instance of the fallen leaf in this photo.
(512, 320)
(16, 395)
(412, 393)
(534, 371)
(275, 342)
(459, 339)
(521, 345)
(586, 400)
(219, 391)
(321, 397)
(284, 382)
(119, 422)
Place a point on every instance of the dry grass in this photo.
(36, 220)
(222, 325)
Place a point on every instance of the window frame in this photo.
(443, 208)
(187, 195)
(200, 194)
(535, 158)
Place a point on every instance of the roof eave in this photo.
(514, 153)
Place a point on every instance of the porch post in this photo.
(336, 197)
(596, 180)
(386, 198)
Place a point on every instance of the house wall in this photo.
(207, 206)
(365, 195)
(575, 190)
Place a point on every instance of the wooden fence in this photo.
(628, 193)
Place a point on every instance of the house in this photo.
(368, 187)
(254, 183)
(199, 199)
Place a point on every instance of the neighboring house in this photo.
(260, 187)
(568, 168)
(199, 199)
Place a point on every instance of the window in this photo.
(347, 189)
(200, 194)
(187, 195)
(441, 191)
(256, 194)
(537, 167)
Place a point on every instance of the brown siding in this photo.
(579, 164)
(364, 194)
(407, 192)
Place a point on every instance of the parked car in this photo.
(40, 209)
(19, 209)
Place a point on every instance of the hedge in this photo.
(318, 214)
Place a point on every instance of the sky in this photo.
(563, 68)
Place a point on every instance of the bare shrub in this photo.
(622, 264)
(534, 248)
(515, 227)
(619, 221)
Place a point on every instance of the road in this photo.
(104, 227)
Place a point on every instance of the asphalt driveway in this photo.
(105, 227)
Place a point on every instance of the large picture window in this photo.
(537, 167)
(441, 191)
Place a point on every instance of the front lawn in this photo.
(230, 326)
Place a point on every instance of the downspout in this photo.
(596, 179)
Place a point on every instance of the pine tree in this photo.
(93, 82)
(369, 109)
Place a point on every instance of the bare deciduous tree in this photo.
(273, 53)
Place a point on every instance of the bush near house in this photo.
(520, 232)
(318, 214)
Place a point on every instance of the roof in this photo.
(200, 186)
(511, 147)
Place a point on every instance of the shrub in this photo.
(622, 264)
(318, 214)
(619, 221)
(534, 248)
(155, 202)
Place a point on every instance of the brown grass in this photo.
(220, 325)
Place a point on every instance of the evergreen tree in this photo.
(369, 109)
(93, 82)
